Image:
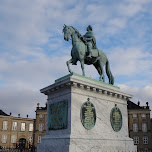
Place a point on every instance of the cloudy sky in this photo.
(33, 52)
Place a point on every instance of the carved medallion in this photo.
(116, 118)
(58, 115)
(88, 115)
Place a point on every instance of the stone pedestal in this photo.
(69, 134)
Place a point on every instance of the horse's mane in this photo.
(79, 35)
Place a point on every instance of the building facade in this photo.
(15, 131)
(140, 128)
(40, 124)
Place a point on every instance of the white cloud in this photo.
(19, 101)
(118, 22)
(130, 61)
(32, 74)
(140, 94)
(131, 7)
(144, 94)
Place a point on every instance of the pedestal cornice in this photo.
(78, 81)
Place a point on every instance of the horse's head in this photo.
(67, 30)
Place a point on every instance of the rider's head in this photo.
(89, 28)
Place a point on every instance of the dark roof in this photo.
(131, 105)
(3, 113)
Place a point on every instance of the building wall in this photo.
(41, 117)
(139, 120)
(18, 133)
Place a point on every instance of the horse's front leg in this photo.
(82, 67)
(68, 62)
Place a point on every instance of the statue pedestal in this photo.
(74, 125)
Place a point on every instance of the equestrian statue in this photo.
(84, 49)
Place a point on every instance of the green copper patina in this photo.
(89, 40)
(88, 115)
(84, 49)
(116, 118)
(84, 77)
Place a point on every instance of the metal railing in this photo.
(18, 150)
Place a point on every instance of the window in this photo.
(146, 150)
(13, 139)
(23, 126)
(134, 115)
(135, 127)
(30, 139)
(143, 115)
(14, 126)
(41, 126)
(136, 140)
(4, 138)
(145, 140)
(39, 139)
(41, 115)
(5, 125)
(30, 127)
(144, 127)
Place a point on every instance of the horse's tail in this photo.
(109, 74)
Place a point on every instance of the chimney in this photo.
(138, 103)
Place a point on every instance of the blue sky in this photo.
(31, 43)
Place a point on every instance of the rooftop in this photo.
(131, 105)
(3, 113)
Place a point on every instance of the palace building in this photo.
(40, 124)
(140, 126)
(15, 131)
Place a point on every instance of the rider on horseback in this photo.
(89, 40)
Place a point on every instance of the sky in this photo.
(33, 52)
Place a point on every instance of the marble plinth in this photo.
(76, 90)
